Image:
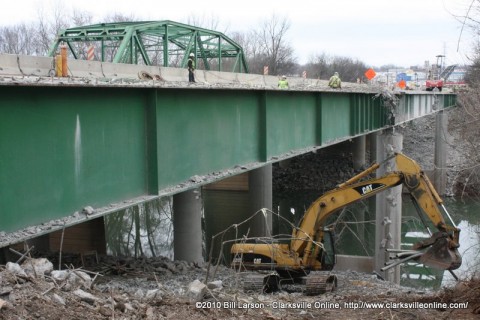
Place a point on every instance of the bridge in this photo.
(111, 136)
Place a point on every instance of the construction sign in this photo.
(402, 84)
(90, 52)
(370, 74)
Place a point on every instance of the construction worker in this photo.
(335, 81)
(191, 68)
(283, 83)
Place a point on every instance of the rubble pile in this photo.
(132, 288)
(157, 288)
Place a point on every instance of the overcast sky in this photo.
(377, 32)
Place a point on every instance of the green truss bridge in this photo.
(158, 43)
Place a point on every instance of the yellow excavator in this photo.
(311, 246)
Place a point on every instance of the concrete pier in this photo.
(388, 206)
(440, 156)
(260, 194)
(359, 152)
(233, 201)
(187, 226)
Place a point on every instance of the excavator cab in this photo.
(327, 257)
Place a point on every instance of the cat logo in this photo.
(369, 188)
(257, 261)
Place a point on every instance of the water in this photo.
(466, 213)
(145, 230)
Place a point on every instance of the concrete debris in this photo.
(196, 179)
(196, 290)
(37, 268)
(154, 294)
(58, 299)
(5, 290)
(85, 296)
(60, 275)
(72, 279)
(15, 269)
(139, 292)
(3, 304)
(144, 75)
(215, 285)
(88, 210)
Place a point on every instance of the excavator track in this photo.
(316, 284)
(253, 282)
(260, 283)
(313, 284)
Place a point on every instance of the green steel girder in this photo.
(148, 41)
(63, 148)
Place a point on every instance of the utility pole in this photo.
(439, 66)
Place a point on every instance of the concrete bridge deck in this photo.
(105, 138)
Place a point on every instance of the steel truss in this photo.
(162, 43)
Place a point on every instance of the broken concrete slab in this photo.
(196, 290)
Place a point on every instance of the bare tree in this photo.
(275, 51)
(212, 22)
(322, 66)
(81, 18)
(250, 44)
(119, 17)
(466, 119)
(18, 39)
(350, 69)
(49, 25)
(318, 66)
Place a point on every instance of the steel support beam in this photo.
(64, 148)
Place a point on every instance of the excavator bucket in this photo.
(442, 254)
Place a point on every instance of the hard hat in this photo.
(284, 77)
(336, 73)
(192, 55)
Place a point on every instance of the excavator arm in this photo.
(331, 202)
(444, 243)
